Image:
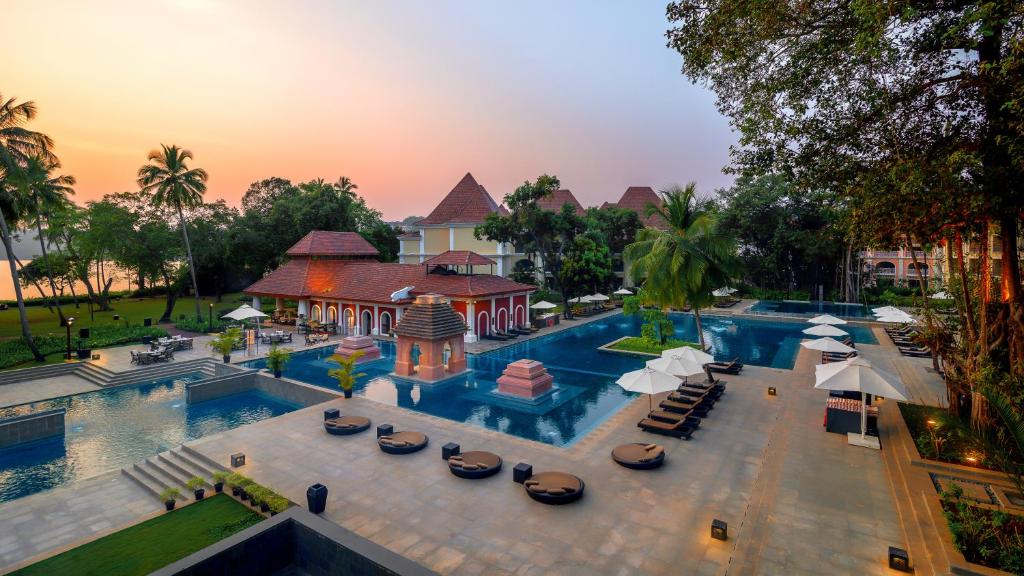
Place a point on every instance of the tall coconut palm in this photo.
(175, 185)
(682, 265)
(17, 144)
(35, 181)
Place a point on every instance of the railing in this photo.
(881, 254)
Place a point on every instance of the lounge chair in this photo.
(732, 367)
(685, 395)
(696, 408)
(507, 335)
(678, 430)
(639, 456)
(711, 392)
(916, 352)
(554, 487)
(672, 417)
(346, 425)
(403, 442)
(474, 464)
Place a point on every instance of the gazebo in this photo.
(430, 324)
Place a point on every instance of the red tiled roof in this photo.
(368, 281)
(459, 258)
(558, 199)
(467, 203)
(324, 243)
(637, 198)
(409, 236)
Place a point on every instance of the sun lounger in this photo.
(678, 430)
(711, 392)
(673, 417)
(554, 487)
(699, 410)
(639, 456)
(732, 367)
(474, 464)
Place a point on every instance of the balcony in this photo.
(880, 254)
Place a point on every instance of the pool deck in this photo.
(797, 499)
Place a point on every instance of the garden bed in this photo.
(984, 536)
(943, 437)
(643, 346)
(154, 543)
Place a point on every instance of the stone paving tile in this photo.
(43, 389)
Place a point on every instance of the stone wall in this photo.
(294, 392)
(287, 390)
(36, 426)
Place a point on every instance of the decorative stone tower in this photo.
(430, 324)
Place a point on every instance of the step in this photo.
(181, 469)
(37, 373)
(142, 481)
(157, 477)
(179, 477)
(188, 463)
(201, 459)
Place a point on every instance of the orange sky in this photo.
(402, 97)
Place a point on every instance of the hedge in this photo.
(15, 351)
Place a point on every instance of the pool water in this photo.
(790, 307)
(586, 393)
(110, 429)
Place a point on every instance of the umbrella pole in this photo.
(863, 414)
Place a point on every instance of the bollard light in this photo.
(772, 391)
(719, 529)
(899, 559)
(237, 460)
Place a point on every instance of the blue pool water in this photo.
(586, 393)
(109, 429)
(810, 308)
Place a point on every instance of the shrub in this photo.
(170, 494)
(988, 537)
(15, 351)
(112, 335)
(190, 324)
(277, 358)
(195, 483)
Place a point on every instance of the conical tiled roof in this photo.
(431, 318)
(637, 198)
(467, 203)
(559, 198)
(324, 243)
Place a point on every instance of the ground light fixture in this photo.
(67, 324)
(719, 529)
(899, 559)
(772, 391)
(237, 460)
(211, 316)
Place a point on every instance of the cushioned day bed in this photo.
(475, 464)
(346, 425)
(403, 442)
(639, 456)
(554, 487)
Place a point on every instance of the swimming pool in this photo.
(110, 429)
(586, 393)
(797, 308)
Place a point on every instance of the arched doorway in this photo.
(367, 323)
(314, 313)
(502, 320)
(350, 321)
(520, 315)
(483, 324)
(385, 323)
(332, 314)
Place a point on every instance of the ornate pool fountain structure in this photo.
(430, 325)
(353, 344)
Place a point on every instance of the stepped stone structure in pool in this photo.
(525, 378)
(352, 344)
(430, 325)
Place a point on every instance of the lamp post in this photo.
(67, 323)
(211, 317)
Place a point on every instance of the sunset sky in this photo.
(402, 97)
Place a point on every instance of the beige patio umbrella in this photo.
(824, 330)
(826, 319)
(648, 381)
(859, 375)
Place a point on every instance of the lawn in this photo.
(154, 543)
(133, 310)
(645, 346)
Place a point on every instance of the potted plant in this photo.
(346, 379)
(219, 478)
(276, 359)
(225, 342)
(169, 497)
(196, 485)
(278, 504)
(257, 494)
(237, 482)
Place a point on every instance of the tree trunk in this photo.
(172, 296)
(26, 333)
(1010, 292)
(700, 329)
(965, 288)
(191, 263)
(46, 259)
(42, 293)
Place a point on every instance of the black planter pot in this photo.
(316, 498)
(199, 494)
(273, 513)
(218, 487)
(264, 508)
(84, 353)
(170, 505)
(348, 393)
(243, 495)
(277, 373)
(236, 491)
(227, 358)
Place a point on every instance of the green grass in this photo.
(154, 543)
(638, 344)
(134, 310)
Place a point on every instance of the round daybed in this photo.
(474, 465)
(346, 425)
(403, 442)
(554, 487)
(639, 456)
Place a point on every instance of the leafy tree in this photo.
(524, 271)
(534, 230)
(210, 230)
(616, 226)
(684, 264)
(17, 145)
(586, 266)
(177, 186)
(657, 327)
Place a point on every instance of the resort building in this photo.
(335, 278)
(449, 227)
(897, 266)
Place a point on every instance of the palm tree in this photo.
(17, 144)
(683, 264)
(176, 186)
(346, 186)
(34, 181)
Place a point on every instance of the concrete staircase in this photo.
(172, 469)
(101, 376)
(38, 372)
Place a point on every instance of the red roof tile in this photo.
(560, 198)
(367, 281)
(467, 203)
(324, 243)
(459, 258)
(637, 198)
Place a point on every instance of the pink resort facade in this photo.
(897, 266)
(335, 277)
